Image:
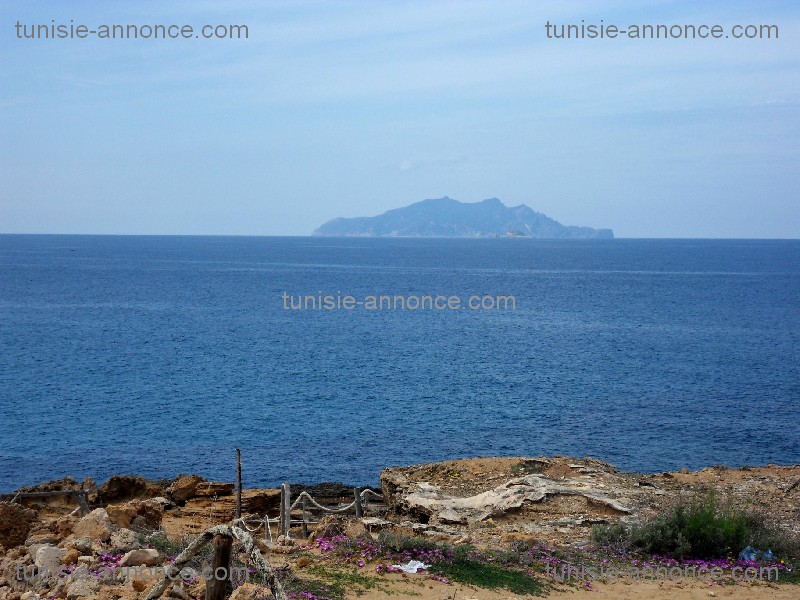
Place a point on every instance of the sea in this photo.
(163, 355)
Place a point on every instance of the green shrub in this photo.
(612, 536)
(395, 542)
(703, 529)
(163, 544)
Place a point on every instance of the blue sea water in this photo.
(160, 355)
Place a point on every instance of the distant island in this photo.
(445, 217)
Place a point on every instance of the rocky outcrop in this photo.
(205, 511)
(210, 489)
(137, 514)
(549, 498)
(427, 499)
(120, 488)
(15, 524)
(57, 485)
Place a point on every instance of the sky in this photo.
(350, 108)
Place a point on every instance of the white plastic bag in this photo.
(411, 566)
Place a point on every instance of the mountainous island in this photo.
(445, 217)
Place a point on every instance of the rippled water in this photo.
(160, 355)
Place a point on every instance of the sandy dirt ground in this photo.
(421, 588)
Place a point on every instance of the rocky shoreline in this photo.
(488, 502)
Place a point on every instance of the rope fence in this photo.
(305, 502)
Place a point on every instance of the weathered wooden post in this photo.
(238, 483)
(287, 508)
(217, 586)
(83, 502)
(359, 509)
(281, 519)
(305, 526)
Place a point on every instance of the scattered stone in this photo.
(121, 515)
(81, 584)
(83, 545)
(356, 530)
(124, 540)
(48, 558)
(146, 557)
(96, 525)
(138, 584)
(184, 488)
(449, 515)
(328, 527)
(197, 587)
(41, 535)
(177, 591)
(249, 591)
(64, 526)
(376, 523)
(70, 557)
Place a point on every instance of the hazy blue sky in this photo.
(351, 108)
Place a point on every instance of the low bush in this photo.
(703, 529)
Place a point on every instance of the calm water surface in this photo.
(160, 355)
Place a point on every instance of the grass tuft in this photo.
(466, 568)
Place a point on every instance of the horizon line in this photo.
(390, 237)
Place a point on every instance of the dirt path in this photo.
(421, 588)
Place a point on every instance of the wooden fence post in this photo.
(305, 526)
(238, 483)
(83, 502)
(287, 504)
(359, 509)
(281, 519)
(217, 586)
